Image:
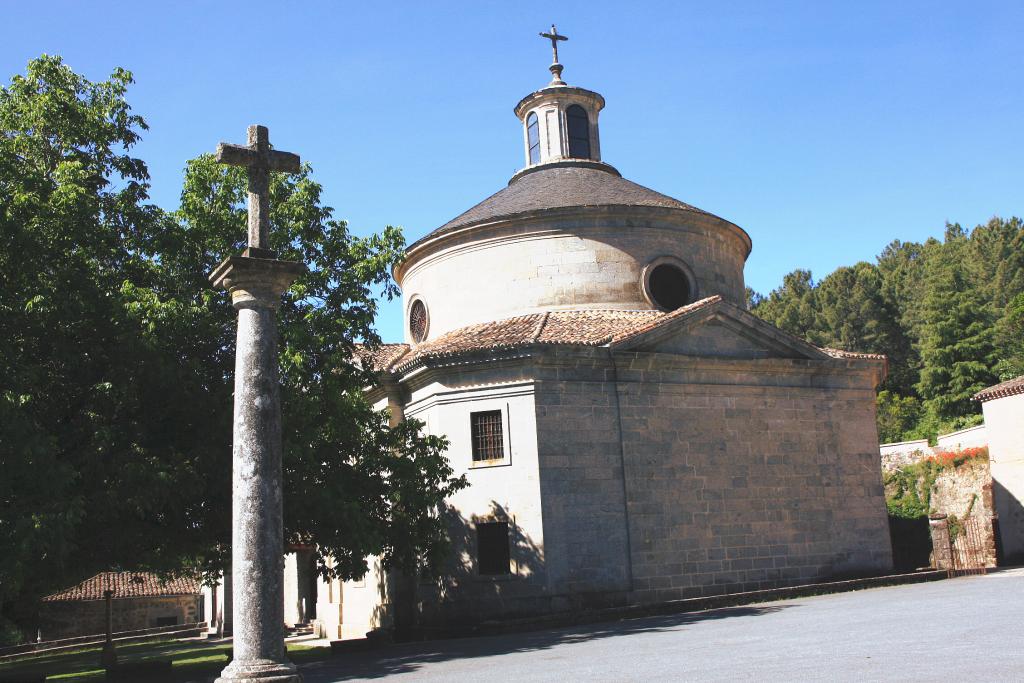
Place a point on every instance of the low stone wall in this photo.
(965, 492)
(897, 455)
(67, 619)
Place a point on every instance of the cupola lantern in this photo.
(560, 121)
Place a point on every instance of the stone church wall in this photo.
(739, 475)
(573, 262)
(765, 477)
(582, 483)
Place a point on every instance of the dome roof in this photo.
(560, 185)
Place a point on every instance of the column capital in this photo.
(255, 282)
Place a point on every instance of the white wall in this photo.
(530, 266)
(972, 437)
(509, 488)
(1004, 419)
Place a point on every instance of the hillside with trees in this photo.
(949, 315)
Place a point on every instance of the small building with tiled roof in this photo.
(139, 600)
(1003, 407)
(630, 432)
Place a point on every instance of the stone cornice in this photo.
(538, 225)
(568, 92)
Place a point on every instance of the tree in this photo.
(957, 350)
(855, 316)
(947, 314)
(792, 307)
(1010, 340)
(117, 364)
(897, 416)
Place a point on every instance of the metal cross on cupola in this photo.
(259, 159)
(556, 68)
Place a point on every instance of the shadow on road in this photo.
(409, 657)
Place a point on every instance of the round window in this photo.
(668, 286)
(418, 321)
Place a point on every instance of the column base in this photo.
(263, 670)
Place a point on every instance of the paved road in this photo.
(965, 629)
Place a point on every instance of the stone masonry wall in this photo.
(584, 259)
(732, 482)
(737, 488)
(897, 455)
(966, 492)
(582, 492)
(88, 617)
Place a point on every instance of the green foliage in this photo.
(897, 415)
(792, 307)
(908, 490)
(956, 344)
(949, 315)
(116, 370)
(1010, 339)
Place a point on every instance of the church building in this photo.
(630, 432)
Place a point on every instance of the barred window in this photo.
(486, 433)
(493, 556)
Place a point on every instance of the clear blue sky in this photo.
(824, 129)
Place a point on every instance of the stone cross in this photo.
(256, 281)
(556, 68)
(259, 159)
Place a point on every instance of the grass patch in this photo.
(192, 660)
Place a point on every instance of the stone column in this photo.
(257, 531)
(942, 548)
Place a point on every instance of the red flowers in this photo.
(958, 457)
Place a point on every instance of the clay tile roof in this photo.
(126, 585)
(382, 356)
(568, 328)
(558, 187)
(839, 353)
(1010, 387)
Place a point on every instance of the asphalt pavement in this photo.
(963, 629)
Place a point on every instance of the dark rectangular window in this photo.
(487, 435)
(167, 621)
(492, 548)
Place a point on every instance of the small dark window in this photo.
(579, 132)
(487, 437)
(166, 621)
(533, 137)
(669, 287)
(418, 321)
(493, 555)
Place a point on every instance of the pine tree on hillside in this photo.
(1010, 340)
(855, 316)
(957, 345)
(792, 307)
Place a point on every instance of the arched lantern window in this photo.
(533, 137)
(579, 132)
